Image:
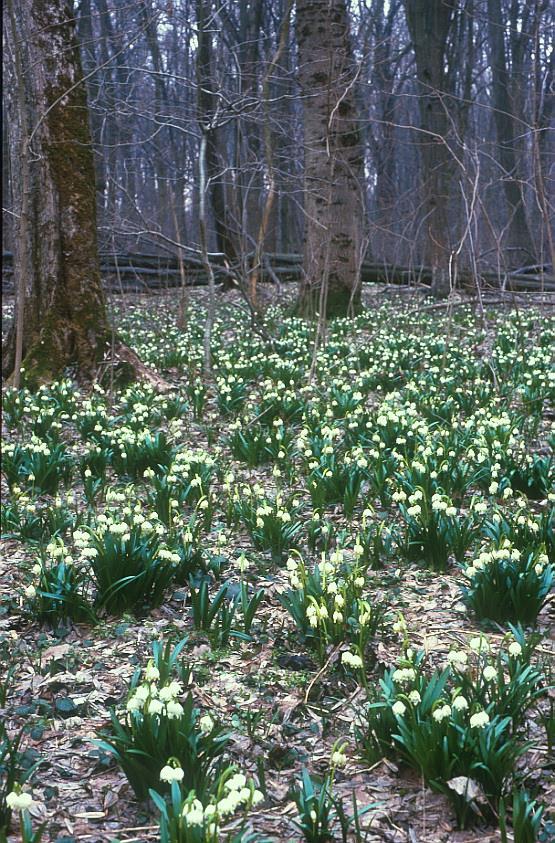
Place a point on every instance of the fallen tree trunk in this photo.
(148, 271)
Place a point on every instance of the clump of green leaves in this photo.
(508, 586)
(327, 603)
(59, 591)
(272, 523)
(160, 724)
(186, 818)
(130, 564)
(457, 726)
(40, 466)
(434, 528)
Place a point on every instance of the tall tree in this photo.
(60, 310)
(333, 206)
(429, 23)
(209, 117)
(508, 131)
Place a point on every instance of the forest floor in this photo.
(403, 400)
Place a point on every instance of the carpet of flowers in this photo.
(304, 598)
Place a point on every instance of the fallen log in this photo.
(158, 271)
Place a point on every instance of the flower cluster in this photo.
(153, 700)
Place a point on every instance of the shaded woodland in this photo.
(278, 545)
(450, 103)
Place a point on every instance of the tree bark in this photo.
(333, 204)
(429, 23)
(519, 237)
(61, 307)
(207, 112)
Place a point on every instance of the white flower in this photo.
(193, 815)
(174, 710)
(174, 688)
(142, 692)
(414, 697)
(338, 759)
(460, 703)
(489, 673)
(479, 720)
(206, 724)
(19, 801)
(515, 649)
(351, 659)
(171, 774)
(244, 794)
(442, 713)
(155, 707)
(236, 782)
(226, 806)
(257, 797)
(165, 694)
(403, 675)
(242, 563)
(479, 644)
(30, 592)
(152, 673)
(398, 708)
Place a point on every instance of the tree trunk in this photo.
(519, 237)
(429, 23)
(333, 206)
(61, 304)
(381, 137)
(208, 116)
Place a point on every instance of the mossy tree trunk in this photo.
(64, 321)
(333, 204)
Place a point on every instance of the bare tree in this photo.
(429, 23)
(333, 160)
(207, 100)
(519, 237)
(369, 122)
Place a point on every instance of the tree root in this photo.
(122, 365)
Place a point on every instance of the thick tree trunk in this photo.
(333, 205)
(429, 23)
(61, 307)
